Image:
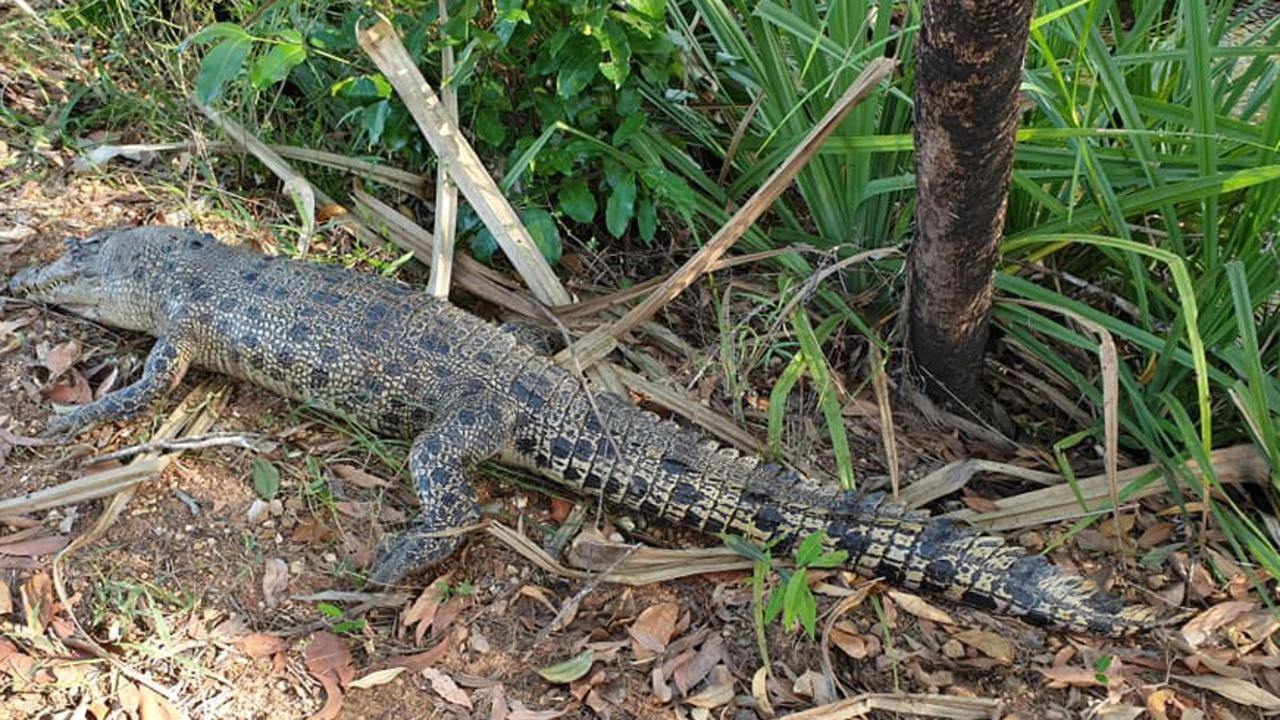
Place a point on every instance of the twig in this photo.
(249, 441)
(298, 187)
(602, 340)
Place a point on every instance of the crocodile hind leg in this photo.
(473, 428)
(168, 362)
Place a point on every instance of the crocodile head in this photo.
(108, 277)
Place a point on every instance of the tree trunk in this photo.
(966, 98)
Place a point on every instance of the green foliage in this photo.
(792, 597)
(266, 479)
(521, 70)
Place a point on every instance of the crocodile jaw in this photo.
(72, 282)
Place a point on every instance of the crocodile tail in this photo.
(939, 556)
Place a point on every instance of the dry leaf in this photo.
(329, 661)
(712, 696)
(422, 612)
(989, 644)
(275, 581)
(1119, 712)
(73, 392)
(261, 645)
(1074, 676)
(1199, 629)
(446, 688)
(128, 697)
(6, 598)
(378, 677)
(61, 357)
(358, 477)
(498, 709)
(652, 630)
(693, 672)
(421, 661)
(845, 637)
(760, 691)
(1236, 690)
(917, 606)
(152, 706)
(35, 547)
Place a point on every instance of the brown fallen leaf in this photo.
(718, 692)
(74, 391)
(989, 644)
(261, 645)
(560, 509)
(422, 613)
(1200, 628)
(689, 674)
(329, 661)
(425, 659)
(129, 697)
(60, 358)
(653, 629)
(6, 598)
(1064, 676)
(38, 602)
(275, 581)
(153, 706)
(377, 677)
(846, 637)
(35, 547)
(1234, 689)
(498, 709)
(445, 687)
(917, 606)
(358, 477)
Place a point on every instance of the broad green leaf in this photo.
(569, 670)
(373, 120)
(581, 63)
(647, 220)
(546, 235)
(220, 65)
(745, 548)
(266, 479)
(274, 66)
(621, 206)
(216, 31)
(833, 559)
(578, 202)
(653, 9)
(489, 127)
(776, 600)
(809, 550)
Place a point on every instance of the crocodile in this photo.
(464, 390)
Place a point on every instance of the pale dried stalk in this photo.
(446, 191)
(298, 187)
(601, 341)
(457, 156)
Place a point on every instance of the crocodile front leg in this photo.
(473, 427)
(168, 362)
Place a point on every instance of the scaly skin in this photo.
(412, 366)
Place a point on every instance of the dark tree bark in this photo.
(966, 98)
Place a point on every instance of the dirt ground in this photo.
(203, 598)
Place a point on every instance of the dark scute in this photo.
(485, 358)
(285, 358)
(593, 481)
(468, 418)
(855, 543)
(768, 518)
(393, 369)
(561, 448)
(298, 332)
(440, 477)
(279, 292)
(939, 574)
(525, 446)
(673, 465)
(584, 449)
(980, 600)
(685, 494)
(227, 303)
(712, 525)
(319, 378)
(638, 486)
(571, 474)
